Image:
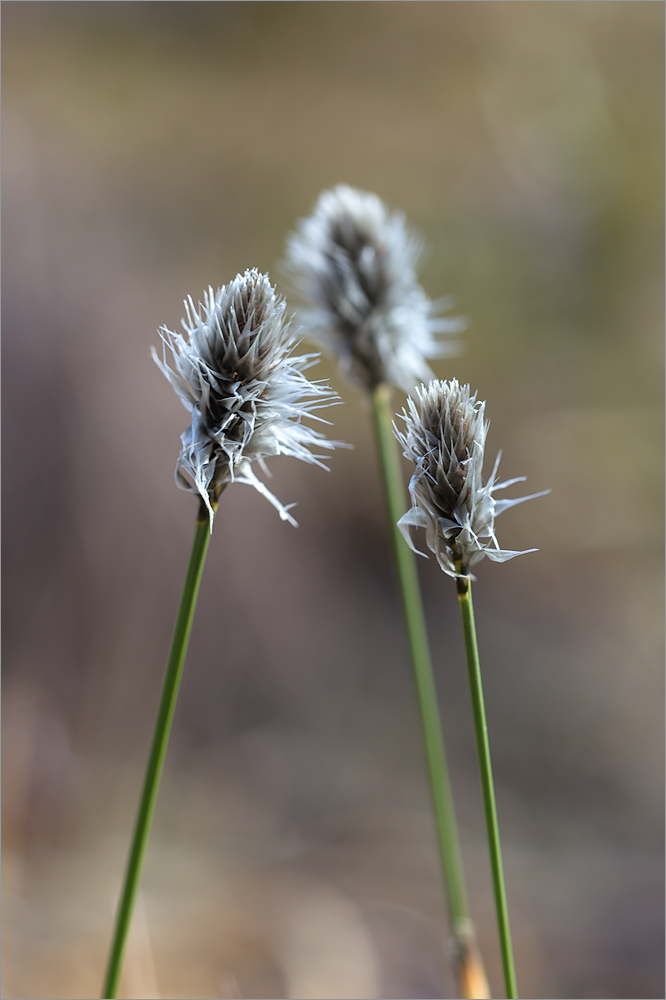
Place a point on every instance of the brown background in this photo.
(151, 149)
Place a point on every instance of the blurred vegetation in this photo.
(150, 149)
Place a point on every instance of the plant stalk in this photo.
(464, 588)
(468, 967)
(158, 749)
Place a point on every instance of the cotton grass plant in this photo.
(444, 435)
(353, 263)
(247, 398)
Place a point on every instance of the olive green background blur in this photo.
(151, 149)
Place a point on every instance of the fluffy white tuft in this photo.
(445, 435)
(234, 371)
(354, 262)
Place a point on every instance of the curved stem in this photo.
(469, 968)
(485, 767)
(157, 754)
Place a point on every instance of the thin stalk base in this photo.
(464, 588)
(157, 754)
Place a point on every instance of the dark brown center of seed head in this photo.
(347, 235)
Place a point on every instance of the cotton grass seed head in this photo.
(234, 372)
(354, 262)
(445, 435)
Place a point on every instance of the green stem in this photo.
(440, 785)
(158, 749)
(483, 749)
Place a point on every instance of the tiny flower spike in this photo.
(247, 396)
(354, 261)
(235, 373)
(445, 435)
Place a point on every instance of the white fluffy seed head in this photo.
(444, 435)
(247, 395)
(354, 263)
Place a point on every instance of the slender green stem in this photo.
(158, 749)
(483, 749)
(440, 785)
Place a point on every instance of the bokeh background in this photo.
(151, 149)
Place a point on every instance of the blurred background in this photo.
(151, 149)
